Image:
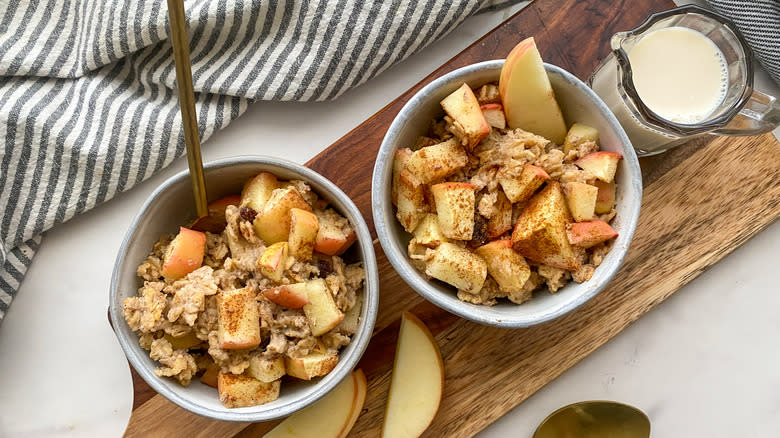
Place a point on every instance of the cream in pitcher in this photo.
(682, 73)
(679, 74)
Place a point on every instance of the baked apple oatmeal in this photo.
(500, 213)
(261, 295)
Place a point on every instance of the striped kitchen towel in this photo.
(88, 106)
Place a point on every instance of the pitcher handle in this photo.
(759, 115)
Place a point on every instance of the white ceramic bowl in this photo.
(579, 104)
(169, 207)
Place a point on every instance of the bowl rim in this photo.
(345, 365)
(472, 312)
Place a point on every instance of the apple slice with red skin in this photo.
(601, 164)
(332, 238)
(286, 296)
(588, 234)
(184, 254)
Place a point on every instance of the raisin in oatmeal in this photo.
(269, 296)
(501, 213)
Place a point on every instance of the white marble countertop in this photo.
(704, 363)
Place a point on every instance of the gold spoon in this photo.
(595, 419)
(181, 57)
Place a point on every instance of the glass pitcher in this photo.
(742, 111)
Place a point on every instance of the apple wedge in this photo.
(455, 208)
(587, 234)
(435, 162)
(601, 164)
(581, 199)
(304, 226)
(330, 417)
(258, 190)
(184, 254)
(520, 188)
(468, 122)
(456, 266)
(528, 98)
(605, 200)
(335, 234)
(505, 265)
(290, 296)
(238, 319)
(578, 134)
(417, 381)
(240, 390)
(494, 114)
(273, 261)
(540, 231)
(401, 156)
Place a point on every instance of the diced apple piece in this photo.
(215, 221)
(587, 234)
(578, 134)
(315, 364)
(239, 319)
(266, 369)
(273, 261)
(455, 209)
(291, 296)
(210, 377)
(184, 254)
(501, 221)
(330, 417)
(183, 342)
(321, 311)
(601, 164)
(428, 232)
(605, 200)
(505, 265)
(456, 266)
(399, 163)
(494, 114)
(521, 188)
(581, 199)
(335, 234)
(349, 324)
(417, 382)
(257, 191)
(411, 201)
(240, 390)
(304, 226)
(540, 231)
(273, 223)
(462, 106)
(436, 162)
(528, 98)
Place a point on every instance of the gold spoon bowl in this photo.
(595, 419)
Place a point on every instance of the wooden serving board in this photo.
(701, 201)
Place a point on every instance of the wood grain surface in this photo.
(701, 201)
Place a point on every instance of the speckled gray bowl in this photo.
(579, 104)
(169, 207)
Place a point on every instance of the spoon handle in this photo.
(181, 57)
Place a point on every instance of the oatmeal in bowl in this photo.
(505, 226)
(259, 310)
